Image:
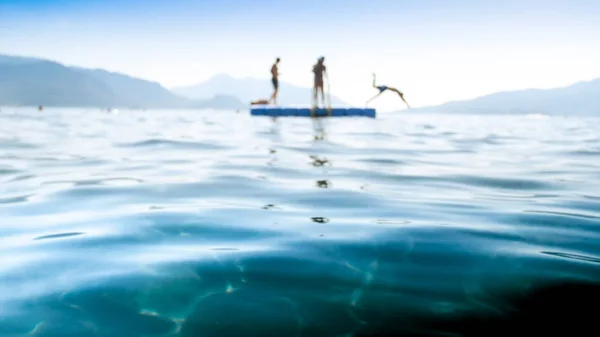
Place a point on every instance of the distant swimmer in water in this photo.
(275, 81)
(383, 88)
(260, 102)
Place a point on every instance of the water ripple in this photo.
(179, 223)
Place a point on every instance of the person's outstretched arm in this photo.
(399, 94)
(405, 102)
(402, 96)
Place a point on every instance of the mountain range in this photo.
(33, 81)
(582, 98)
(249, 89)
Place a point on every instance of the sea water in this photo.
(215, 223)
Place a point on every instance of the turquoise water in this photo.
(187, 223)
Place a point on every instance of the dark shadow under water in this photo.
(263, 302)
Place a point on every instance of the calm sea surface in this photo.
(187, 223)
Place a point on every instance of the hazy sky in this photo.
(433, 50)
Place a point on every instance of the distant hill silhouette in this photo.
(134, 92)
(222, 102)
(582, 98)
(35, 82)
(31, 81)
(249, 89)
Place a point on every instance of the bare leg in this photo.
(322, 95)
(372, 98)
(274, 97)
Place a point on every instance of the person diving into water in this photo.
(383, 88)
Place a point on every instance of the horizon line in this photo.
(225, 74)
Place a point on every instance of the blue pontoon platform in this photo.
(278, 111)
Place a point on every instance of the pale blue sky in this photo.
(433, 50)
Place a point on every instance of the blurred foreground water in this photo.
(187, 223)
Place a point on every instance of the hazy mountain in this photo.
(9, 59)
(25, 81)
(223, 102)
(249, 89)
(31, 81)
(582, 98)
(134, 92)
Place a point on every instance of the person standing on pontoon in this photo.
(275, 81)
(383, 88)
(319, 70)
